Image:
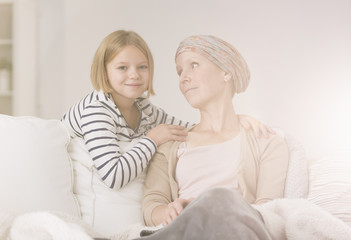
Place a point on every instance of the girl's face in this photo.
(128, 74)
(200, 80)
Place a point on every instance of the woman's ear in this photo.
(227, 77)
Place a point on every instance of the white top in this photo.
(201, 168)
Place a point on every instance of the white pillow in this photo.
(107, 211)
(296, 184)
(36, 172)
(330, 184)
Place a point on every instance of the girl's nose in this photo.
(133, 73)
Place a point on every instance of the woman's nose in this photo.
(184, 76)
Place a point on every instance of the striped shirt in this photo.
(119, 152)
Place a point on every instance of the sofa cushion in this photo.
(296, 184)
(330, 184)
(107, 211)
(36, 172)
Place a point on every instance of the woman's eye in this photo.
(194, 65)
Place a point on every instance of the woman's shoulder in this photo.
(262, 148)
(273, 139)
(168, 148)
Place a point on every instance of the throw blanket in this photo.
(55, 226)
(296, 219)
(291, 219)
(43, 226)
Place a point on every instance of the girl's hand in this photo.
(259, 128)
(166, 132)
(174, 209)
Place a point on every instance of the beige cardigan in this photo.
(261, 173)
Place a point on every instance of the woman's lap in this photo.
(216, 214)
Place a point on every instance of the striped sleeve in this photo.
(72, 119)
(164, 118)
(116, 169)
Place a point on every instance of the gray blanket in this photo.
(217, 214)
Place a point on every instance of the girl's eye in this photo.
(122, 68)
(144, 67)
(194, 65)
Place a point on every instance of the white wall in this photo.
(51, 84)
(25, 49)
(299, 53)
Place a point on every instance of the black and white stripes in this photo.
(119, 153)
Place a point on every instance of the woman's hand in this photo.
(166, 132)
(259, 128)
(174, 209)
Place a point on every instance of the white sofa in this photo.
(43, 170)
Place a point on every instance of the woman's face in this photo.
(128, 74)
(200, 80)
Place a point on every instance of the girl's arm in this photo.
(105, 139)
(258, 127)
(104, 143)
(161, 117)
(246, 121)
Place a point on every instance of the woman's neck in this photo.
(216, 126)
(218, 120)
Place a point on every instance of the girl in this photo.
(120, 126)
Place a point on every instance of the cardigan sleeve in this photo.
(273, 167)
(157, 189)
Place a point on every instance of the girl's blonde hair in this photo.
(108, 49)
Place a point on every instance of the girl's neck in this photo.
(123, 103)
(128, 109)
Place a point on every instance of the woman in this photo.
(218, 152)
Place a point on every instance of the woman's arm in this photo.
(158, 215)
(167, 214)
(273, 169)
(157, 187)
